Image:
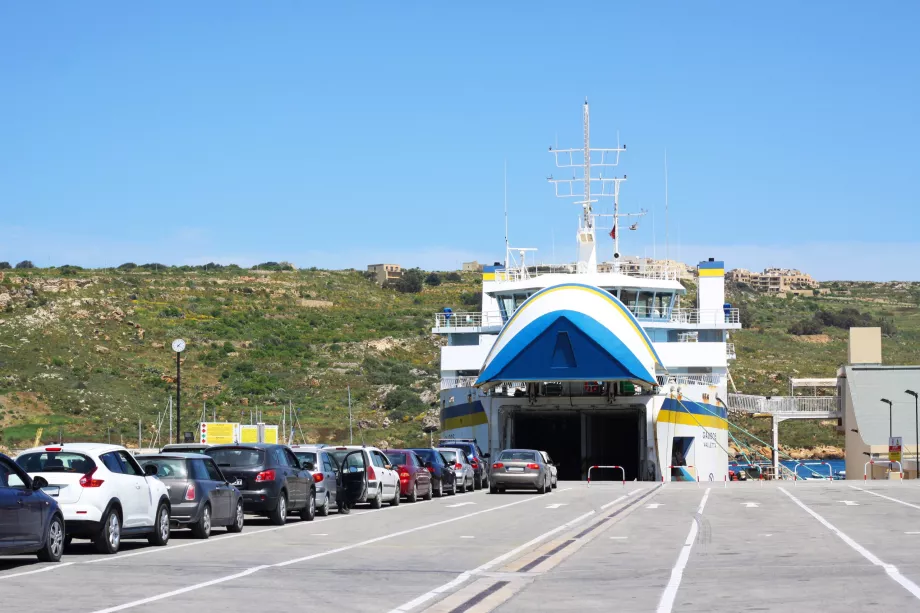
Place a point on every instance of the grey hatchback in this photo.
(199, 495)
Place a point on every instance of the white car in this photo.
(103, 492)
(553, 470)
(382, 480)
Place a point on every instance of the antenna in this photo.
(506, 213)
(667, 244)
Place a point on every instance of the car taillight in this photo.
(190, 492)
(533, 466)
(370, 473)
(88, 481)
(53, 449)
(458, 466)
(265, 475)
(498, 465)
(430, 469)
(318, 477)
(403, 475)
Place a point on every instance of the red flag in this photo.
(613, 233)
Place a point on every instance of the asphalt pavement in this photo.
(828, 546)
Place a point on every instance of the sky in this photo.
(342, 134)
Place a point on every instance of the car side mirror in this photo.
(150, 470)
(487, 455)
(308, 465)
(38, 483)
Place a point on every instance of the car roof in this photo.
(515, 450)
(187, 445)
(177, 455)
(78, 448)
(350, 448)
(306, 447)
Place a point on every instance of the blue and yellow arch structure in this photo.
(571, 332)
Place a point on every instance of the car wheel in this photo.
(440, 491)
(160, 535)
(323, 511)
(477, 483)
(239, 518)
(493, 489)
(413, 495)
(309, 511)
(279, 515)
(377, 502)
(108, 538)
(429, 493)
(395, 501)
(54, 541)
(542, 488)
(469, 485)
(555, 482)
(453, 488)
(202, 528)
(342, 508)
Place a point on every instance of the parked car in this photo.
(443, 478)
(103, 492)
(518, 469)
(272, 480)
(474, 455)
(553, 469)
(323, 471)
(200, 496)
(382, 480)
(463, 470)
(201, 448)
(414, 478)
(30, 520)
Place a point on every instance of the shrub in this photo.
(171, 311)
(808, 326)
(128, 266)
(411, 281)
(452, 277)
(433, 279)
(25, 264)
(5, 266)
(471, 299)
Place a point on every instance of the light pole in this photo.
(178, 346)
(890, 430)
(916, 431)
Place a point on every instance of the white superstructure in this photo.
(603, 368)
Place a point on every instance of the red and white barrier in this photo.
(621, 469)
(889, 462)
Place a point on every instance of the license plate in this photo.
(515, 469)
(238, 482)
(52, 490)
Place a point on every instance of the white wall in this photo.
(674, 355)
(464, 357)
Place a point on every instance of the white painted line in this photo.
(890, 569)
(906, 504)
(751, 505)
(462, 577)
(670, 591)
(318, 534)
(328, 552)
(459, 504)
(557, 505)
(40, 570)
(618, 538)
(849, 503)
(655, 505)
(912, 533)
(467, 537)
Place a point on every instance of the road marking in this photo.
(906, 504)
(321, 554)
(849, 503)
(670, 592)
(462, 577)
(318, 534)
(40, 570)
(618, 538)
(655, 505)
(912, 533)
(557, 505)
(467, 537)
(890, 569)
(751, 505)
(459, 504)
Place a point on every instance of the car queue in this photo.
(53, 494)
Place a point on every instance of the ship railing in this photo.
(730, 351)
(703, 316)
(747, 403)
(467, 319)
(448, 383)
(708, 380)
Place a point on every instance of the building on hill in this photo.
(773, 280)
(473, 266)
(385, 274)
(636, 266)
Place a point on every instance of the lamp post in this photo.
(890, 429)
(916, 431)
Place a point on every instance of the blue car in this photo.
(30, 519)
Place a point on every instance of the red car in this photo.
(414, 478)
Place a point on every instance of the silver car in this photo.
(323, 473)
(466, 476)
(520, 469)
(553, 469)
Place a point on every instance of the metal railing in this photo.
(467, 319)
(448, 383)
(730, 351)
(665, 380)
(783, 404)
(705, 316)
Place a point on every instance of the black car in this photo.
(478, 459)
(200, 497)
(30, 520)
(271, 478)
(443, 478)
(201, 448)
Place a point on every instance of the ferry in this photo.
(602, 365)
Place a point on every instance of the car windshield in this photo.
(237, 457)
(179, 449)
(55, 462)
(450, 454)
(518, 456)
(466, 447)
(306, 456)
(397, 458)
(167, 468)
(355, 462)
(429, 455)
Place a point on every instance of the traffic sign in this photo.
(894, 449)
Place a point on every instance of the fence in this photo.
(783, 404)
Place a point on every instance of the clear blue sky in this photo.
(337, 137)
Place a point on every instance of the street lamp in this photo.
(890, 430)
(916, 431)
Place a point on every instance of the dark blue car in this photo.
(443, 479)
(30, 520)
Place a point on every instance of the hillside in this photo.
(87, 353)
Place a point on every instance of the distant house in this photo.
(473, 266)
(385, 274)
(773, 280)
